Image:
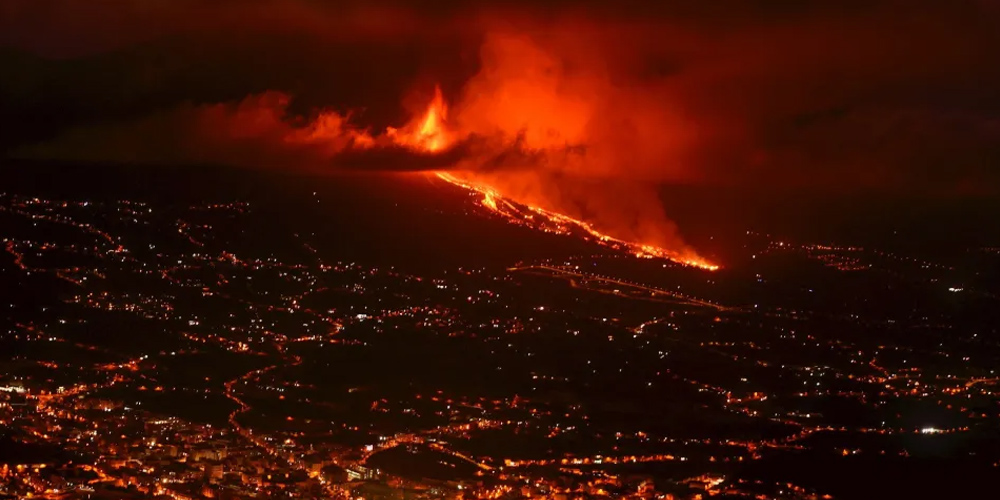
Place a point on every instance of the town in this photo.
(160, 350)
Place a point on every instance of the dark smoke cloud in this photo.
(833, 95)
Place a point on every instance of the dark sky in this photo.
(895, 95)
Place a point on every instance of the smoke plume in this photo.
(577, 107)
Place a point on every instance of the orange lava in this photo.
(562, 224)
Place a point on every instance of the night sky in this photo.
(886, 95)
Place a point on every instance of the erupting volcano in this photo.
(554, 129)
(429, 133)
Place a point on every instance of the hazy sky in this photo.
(899, 95)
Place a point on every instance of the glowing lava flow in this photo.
(562, 224)
(429, 134)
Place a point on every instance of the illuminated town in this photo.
(196, 350)
(499, 250)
